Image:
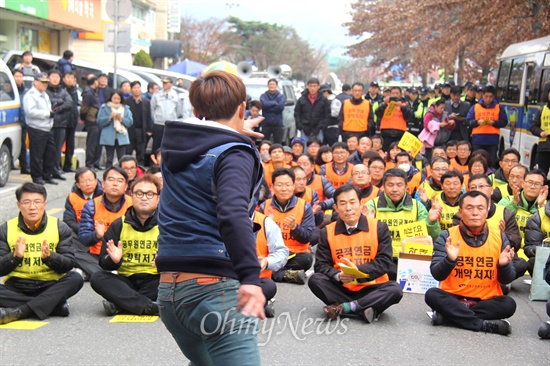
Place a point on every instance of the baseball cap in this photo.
(42, 76)
(424, 90)
(166, 80)
(324, 87)
(287, 149)
(374, 83)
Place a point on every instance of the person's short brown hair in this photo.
(217, 95)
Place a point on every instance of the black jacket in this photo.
(90, 105)
(462, 129)
(61, 99)
(312, 118)
(62, 260)
(69, 216)
(533, 232)
(146, 119)
(370, 122)
(75, 113)
(113, 233)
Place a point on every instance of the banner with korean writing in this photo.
(410, 143)
(80, 14)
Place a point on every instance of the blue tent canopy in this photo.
(188, 67)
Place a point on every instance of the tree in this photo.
(437, 34)
(207, 40)
(142, 58)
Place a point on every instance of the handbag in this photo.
(540, 290)
(442, 137)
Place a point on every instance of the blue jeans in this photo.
(206, 325)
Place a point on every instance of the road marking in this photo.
(53, 211)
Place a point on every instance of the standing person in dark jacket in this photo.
(312, 111)
(207, 249)
(273, 105)
(65, 64)
(332, 132)
(36, 257)
(356, 117)
(486, 118)
(63, 104)
(18, 76)
(69, 80)
(134, 287)
(541, 128)
(457, 110)
(464, 300)
(142, 127)
(103, 88)
(88, 112)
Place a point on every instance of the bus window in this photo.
(516, 76)
(6, 89)
(504, 74)
(545, 80)
(531, 90)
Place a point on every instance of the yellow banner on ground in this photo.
(410, 143)
(23, 325)
(411, 229)
(128, 318)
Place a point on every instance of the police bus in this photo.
(523, 76)
(10, 126)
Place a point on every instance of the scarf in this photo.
(118, 109)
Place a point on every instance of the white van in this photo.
(10, 124)
(47, 62)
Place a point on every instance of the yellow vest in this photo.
(544, 223)
(494, 221)
(522, 216)
(430, 192)
(32, 267)
(447, 213)
(545, 121)
(139, 250)
(395, 219)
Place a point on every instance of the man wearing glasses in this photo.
(130, 247)
(296, 220)
(499, 178)
(99, 213)
(130, 166)
(432, 186)
(525, 202)
(37, 258)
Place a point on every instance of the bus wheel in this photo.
(5, 165)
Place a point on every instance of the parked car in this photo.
(10, 124)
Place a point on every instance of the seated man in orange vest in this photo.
(393, 114)
(460, 162)
(36, 257)
(277, 155)
(294, 217)
(471, 260)
(130, 247)
(364, 244)
(360, 178)
(356, 117)
(272, 255)
(99, 213)
(86, 188)
(339, 171)
(486, 118)
(317, 182)
(414, 176)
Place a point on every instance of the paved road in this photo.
(298, 335)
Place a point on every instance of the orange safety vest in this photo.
(486, 114)
(268, 172)
(308, 195)
(475, 274)
(317, 185)
(78, 204)
(373, 194)
(102, 214)
(336, 179)
(262, 250)
(356, 117)
(460, 168)
(395, 121)
(390, 165)
(298, 210)
(359, 248)
(414, 183)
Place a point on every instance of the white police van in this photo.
(10, 124)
